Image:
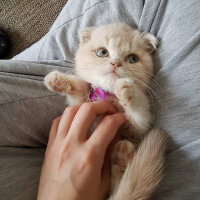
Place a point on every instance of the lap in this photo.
(26, 106)
(20, 172)
(176, 24)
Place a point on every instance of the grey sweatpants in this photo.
(27, 107)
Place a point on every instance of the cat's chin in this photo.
(107, 82)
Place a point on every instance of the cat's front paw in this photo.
(123, 91)
(57, 82)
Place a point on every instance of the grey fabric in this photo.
(26, 111)
(27, 108)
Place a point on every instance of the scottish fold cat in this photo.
(114, 63)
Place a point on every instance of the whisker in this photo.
(147, 74)
(150, 90)
(152, 81)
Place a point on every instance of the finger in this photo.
(53, 131)
(66, 120)
(105, 175)
(86, 116)
(106, 131)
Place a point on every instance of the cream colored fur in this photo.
(137, 161)
(145, 171)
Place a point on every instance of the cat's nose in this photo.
(116, 64)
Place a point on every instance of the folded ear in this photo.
(150, 42)
(85, 34)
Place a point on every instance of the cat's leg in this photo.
(135, 104)
(144, 171)
(123, 153)
(71, 85)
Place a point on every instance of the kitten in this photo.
(114, 63)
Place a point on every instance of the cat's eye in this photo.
(132, 58)
(102, 52)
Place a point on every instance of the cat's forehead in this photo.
(116, 35)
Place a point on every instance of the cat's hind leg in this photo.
(123, 153)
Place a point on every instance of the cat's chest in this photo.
(98, 94)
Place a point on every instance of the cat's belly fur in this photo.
(126, 131)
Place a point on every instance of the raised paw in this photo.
(123, 153)
(58, 82)
(123, 91)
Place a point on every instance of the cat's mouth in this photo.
(113, 73)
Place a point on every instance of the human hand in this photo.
(75, 166)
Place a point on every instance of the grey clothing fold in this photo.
(27, 107)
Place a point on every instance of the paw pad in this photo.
(122, 154)
(57, 83)
(123, 91)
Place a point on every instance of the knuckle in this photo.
(87, 107)
(70, 109)
(63, 150)
(60, 151)
(89, 156)
(104, 103)
(110, 120)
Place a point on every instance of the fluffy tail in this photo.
(145, 171)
